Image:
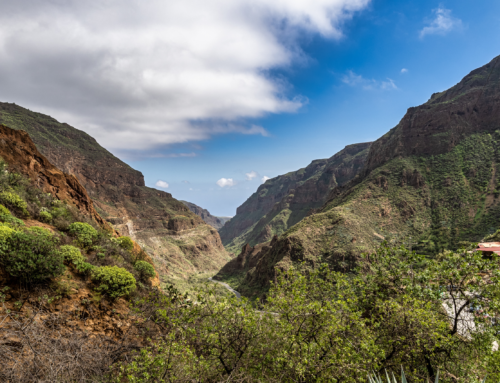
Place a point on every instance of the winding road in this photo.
(238, 295)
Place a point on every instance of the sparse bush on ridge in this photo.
(11, 198)
(84, 233)
(31, 255)
(114, 281)
(146, 270)
(44, 215)
(125, 243)
(74, 256)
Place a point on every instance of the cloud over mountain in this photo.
(223, 182)
(139, 75)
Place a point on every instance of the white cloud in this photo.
(404, 70)
(143, 74)
(185, 182)
(250, 176)
(353, 79)
(223, 182)
(265, 178)
(161, 184)
(443, 23)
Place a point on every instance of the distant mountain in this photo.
(283, 201)
(177, 240)
(224, 219)
(432, 182)
(205, 215)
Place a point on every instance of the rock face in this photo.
(431, 183)
(283, 201)
(178, 241)
(205, 215)
(19, 151)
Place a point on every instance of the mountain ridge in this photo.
(282, 201)
(430, 183)
(179, 242)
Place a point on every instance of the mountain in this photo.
(224, 219)
(205, 215)
(432, 182)
(283, 201)
(178, 241)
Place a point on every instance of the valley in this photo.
(362, 262)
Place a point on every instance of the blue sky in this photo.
(378, 44)
(207, 97)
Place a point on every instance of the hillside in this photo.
(281, 202)
(180, 243)
(205, 215)
(431, 183)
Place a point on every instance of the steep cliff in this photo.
(205, 215)
(283, 201)
(179, 241)
(430, 183)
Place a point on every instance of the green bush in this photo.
(11, 198)
(5, 233)
(30, 255)
(125, 243)
(74, 256)
(145, 269)
(10, 219)
(4, 210)
(114, 281)
(7, 217)
(45, 216)
(84, 233)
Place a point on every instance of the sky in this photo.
(209, 98)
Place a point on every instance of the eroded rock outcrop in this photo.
(19, 151)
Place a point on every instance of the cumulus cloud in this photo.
(250, 176)
(353, 79)
(144, 74)
(404, 70)
(162, 184)
(265, 178)
(223, 182)
(442, 23)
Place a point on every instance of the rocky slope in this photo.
(431, 183)
(283, 201)
(19, 151)
(178, 240)
(205, 215)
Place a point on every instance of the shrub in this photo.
(5, 233)
(45, 216)
(11, 198)
(114, 281)
(31, 255)
(145, 269)
(74, 256)
(84, 233)
(125, 243)
(4, 210)
(6, 216)
(10, 219)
